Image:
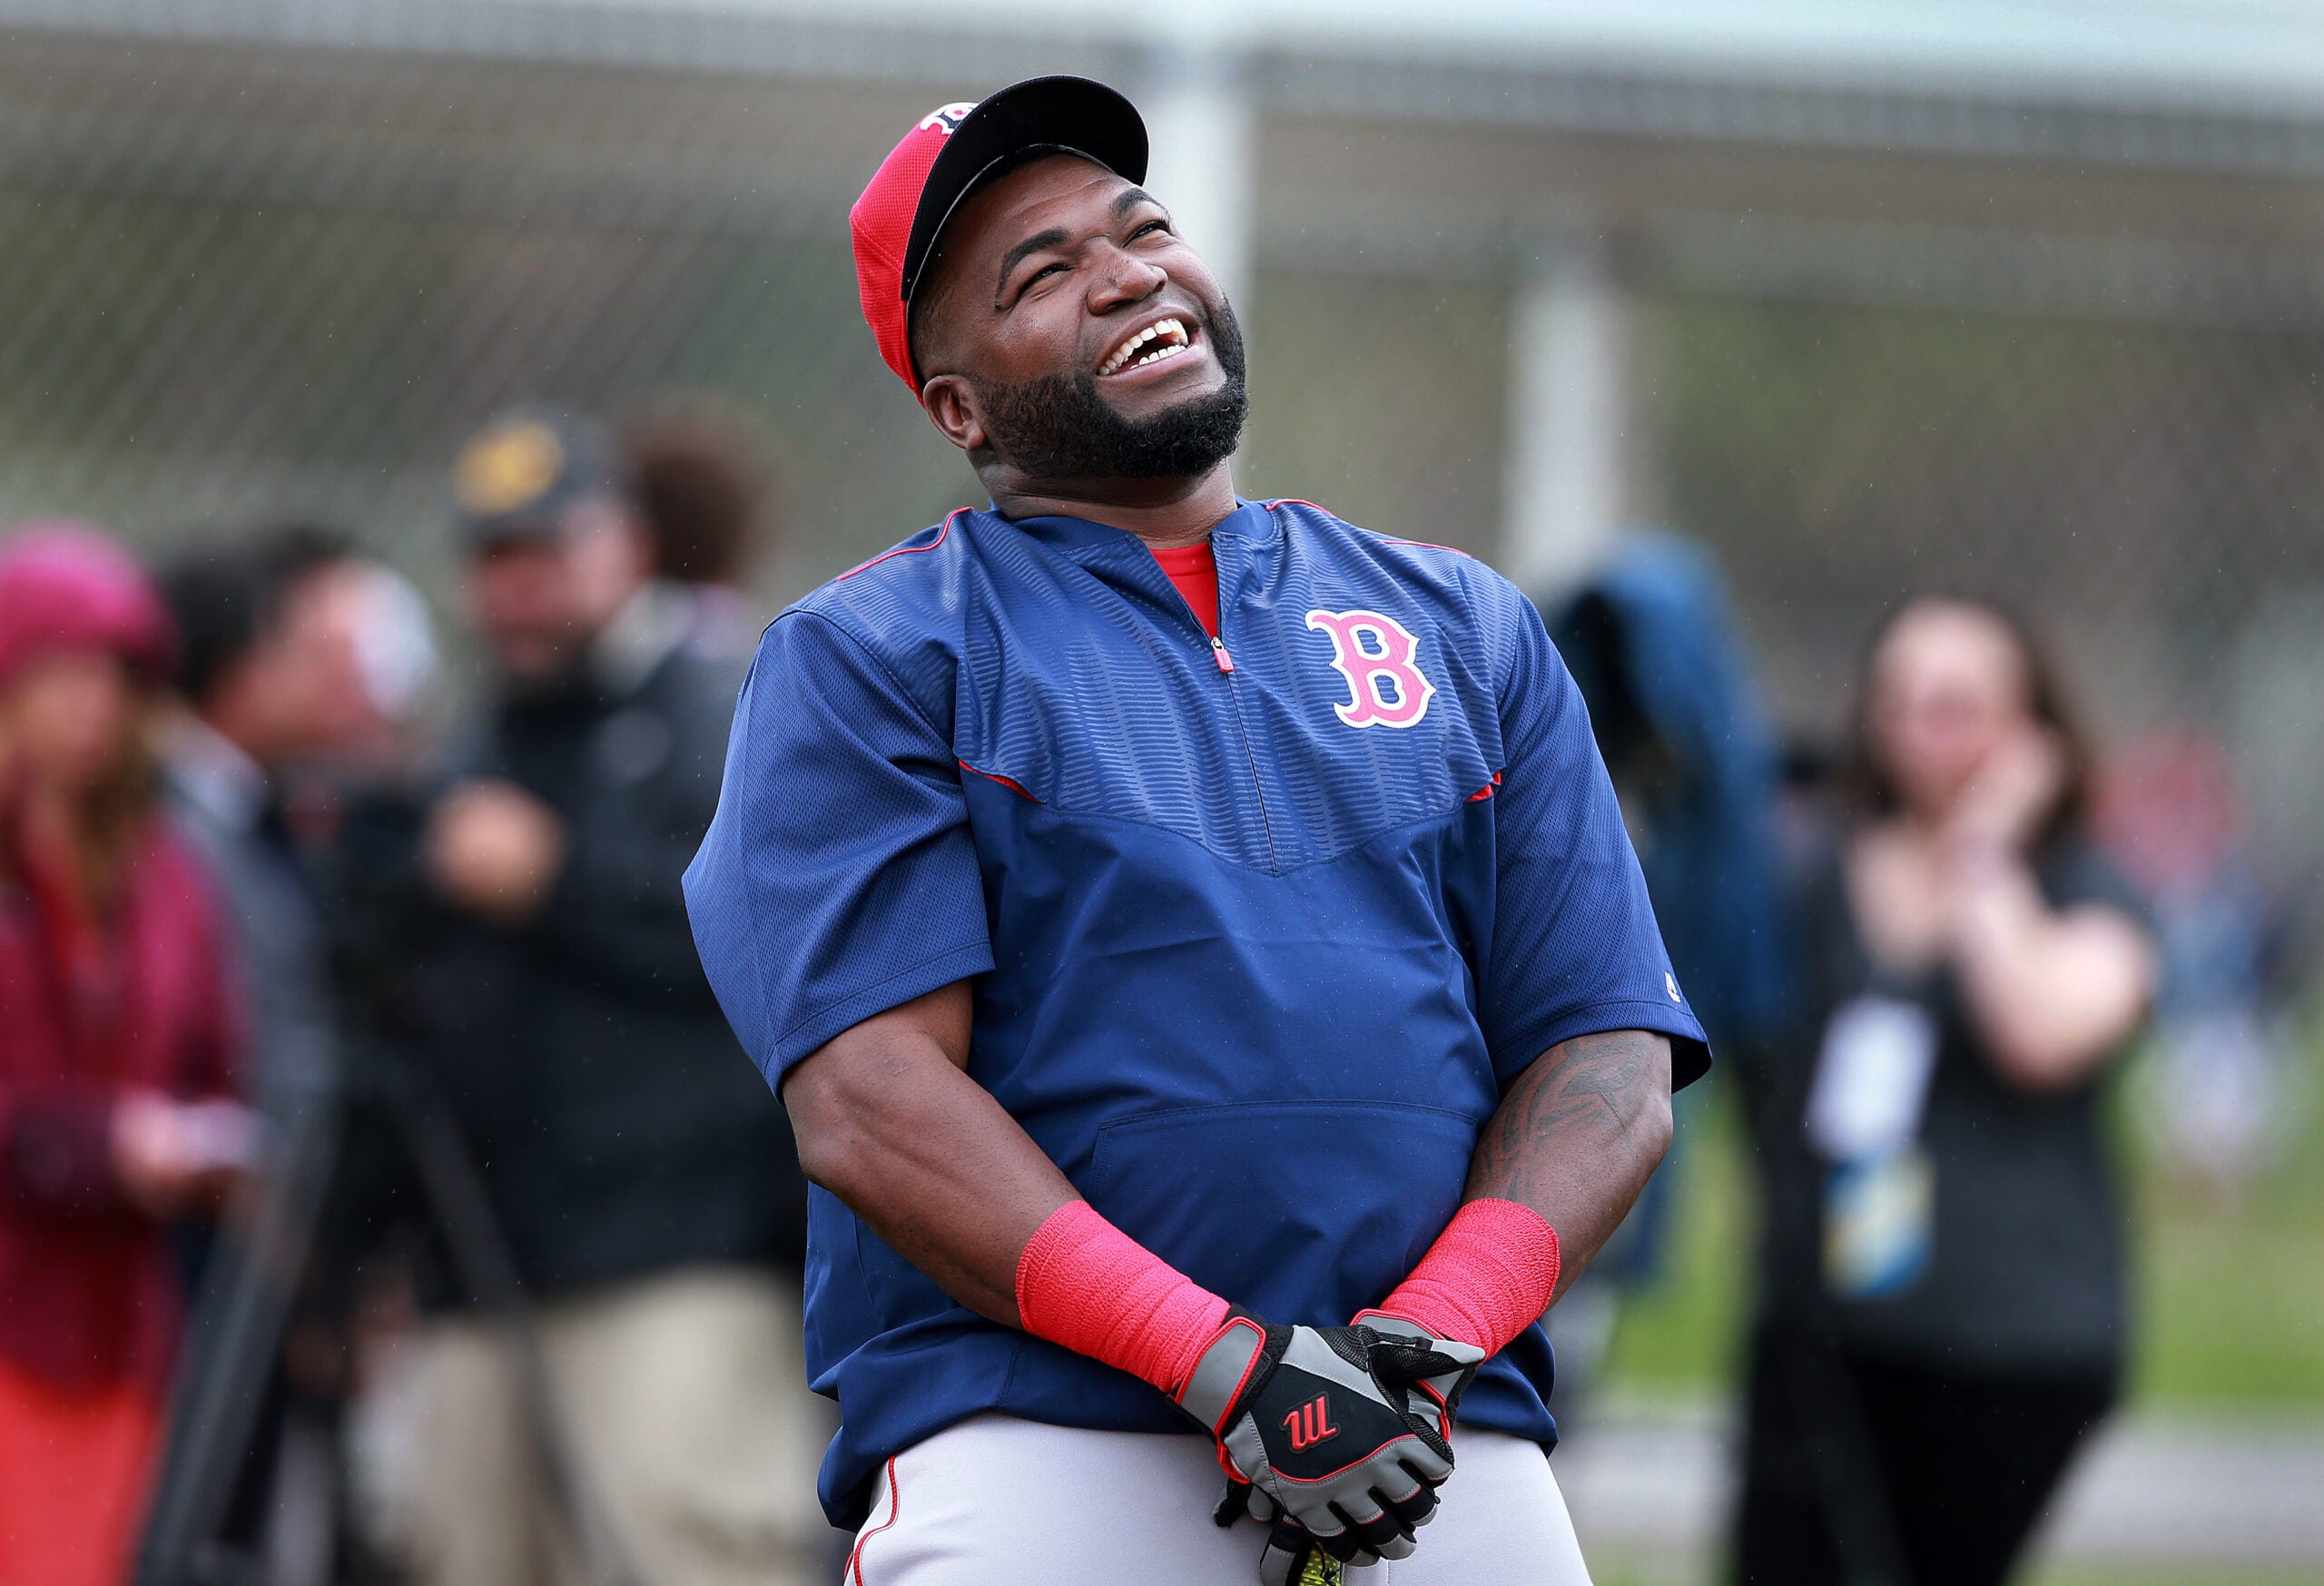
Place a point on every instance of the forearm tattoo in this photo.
(1571, 1111)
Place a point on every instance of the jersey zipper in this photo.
(1219, 653)
(1267, 821)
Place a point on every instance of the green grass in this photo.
(2230, 1298)
(2232, 1295)
(1683, 1332)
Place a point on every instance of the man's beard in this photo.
(1059, 426)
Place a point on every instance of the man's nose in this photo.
(1125, 278)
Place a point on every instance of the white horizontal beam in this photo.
(2190, 83)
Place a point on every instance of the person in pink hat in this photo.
(116, 1048)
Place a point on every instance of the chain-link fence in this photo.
(241, 282)
(244, 281)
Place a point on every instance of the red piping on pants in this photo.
(895, 1507)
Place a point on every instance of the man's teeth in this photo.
(1163, 338)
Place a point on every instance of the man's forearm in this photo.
(1577, 1137)
(889, 1120)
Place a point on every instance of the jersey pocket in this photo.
(1301, 1211)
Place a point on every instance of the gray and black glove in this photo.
(1407, 1347)
(1323, 1433)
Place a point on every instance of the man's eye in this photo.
(1153, 225)
(1034, 280)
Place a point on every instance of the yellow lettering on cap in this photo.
(506, 467)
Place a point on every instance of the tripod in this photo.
(245, 1307)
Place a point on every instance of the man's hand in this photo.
(1318, 1431)
(494, 849)
(1409, 1355)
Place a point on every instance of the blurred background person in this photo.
(2223, 1096)
(271, 670)
(117, 1050)
(1941, 1320)
(643, 1175)
(705, 490)
(275, 630)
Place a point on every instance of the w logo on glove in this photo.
(1311, 1424)
(1375, 653)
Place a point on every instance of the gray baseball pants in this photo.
(1000, 1502)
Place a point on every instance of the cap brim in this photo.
(1072, 115)
(483, 535)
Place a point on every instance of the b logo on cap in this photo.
(948, 119)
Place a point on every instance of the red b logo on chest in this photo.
(1375, 653)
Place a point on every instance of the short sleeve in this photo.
(837, 880)
(2075, 873)
(1575, 949)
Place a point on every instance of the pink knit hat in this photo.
(67, 586)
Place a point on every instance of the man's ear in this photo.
(953, 407)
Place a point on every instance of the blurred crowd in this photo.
(383, 1198)
(370, 1140)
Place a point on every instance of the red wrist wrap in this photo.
(1084, 1284)
(1488, 1277)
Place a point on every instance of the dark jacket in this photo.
(224, 808)
(620, 1127)
(1653, 646)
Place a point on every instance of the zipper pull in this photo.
(1219, 653)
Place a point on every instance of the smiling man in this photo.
(1194, 937)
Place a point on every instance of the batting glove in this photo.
(1407, 1352)
(1320, 1426)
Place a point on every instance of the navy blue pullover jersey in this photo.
(1260, 928)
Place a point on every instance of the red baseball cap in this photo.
(947, 157)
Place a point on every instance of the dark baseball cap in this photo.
(519, 475)
(944, 159)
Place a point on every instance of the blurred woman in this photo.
(114, 1042)
(1941, 1315)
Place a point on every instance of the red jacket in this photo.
(88, 1294)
